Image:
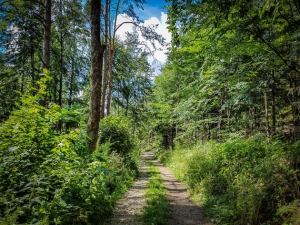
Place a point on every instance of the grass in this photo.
(241, 181)
(156, 212)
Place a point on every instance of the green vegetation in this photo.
(47, 177)
(251, 181)
(227, 101)
(157, 210)
(231, 82)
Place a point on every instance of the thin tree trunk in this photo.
(47, 35)
(22, 77)
(61, 70)
(266, 114)
(111, 55)
(46, 45)
(71, 83)
(102, 113)
(96, 76)
(273, 104)
(32, 69)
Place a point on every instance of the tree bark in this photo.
(266, 114)
(70, 101)
(61, 70)
(47, 35)
(96, 76)
(273, 104)
(104, 76)
(111, 55)
(46, 45)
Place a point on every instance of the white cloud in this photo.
(159, 55)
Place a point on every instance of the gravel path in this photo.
(130, 205)
(183, 210)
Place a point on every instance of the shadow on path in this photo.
(130, 205)
(183, 210)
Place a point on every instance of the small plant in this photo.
(157, 210)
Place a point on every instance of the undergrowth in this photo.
(156, 212)
(253, 181)
(48, 177)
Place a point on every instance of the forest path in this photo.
(183, 210)
(130, 205)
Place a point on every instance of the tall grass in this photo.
(251, 181)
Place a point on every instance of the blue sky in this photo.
(152, 8)
(153, 13)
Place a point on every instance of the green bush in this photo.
(116, 131)
(251, 181)
(46, 177)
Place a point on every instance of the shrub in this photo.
(46, 177)
(251, 181)
(116, 131)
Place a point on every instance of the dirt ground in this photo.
(183, 210)
(130, 205)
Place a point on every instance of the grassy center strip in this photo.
(156, 212)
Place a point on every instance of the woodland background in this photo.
(77, 105)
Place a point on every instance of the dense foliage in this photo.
(47, 177)
(227, 101)
(233, 67)
(116, 131)
(251, 181)
(232, 71)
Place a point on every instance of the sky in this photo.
(153, 13)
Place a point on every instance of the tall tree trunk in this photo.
(266, 114)
(47, 35)
(111, 55)
(104, 76)
(106, 25)
(273, 104)
(61, 70)
(109, 93)
(96, 76)
(32, 69)
(47, 38)
(71, 83)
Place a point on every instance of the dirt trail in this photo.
(183, 210)
(130, 205)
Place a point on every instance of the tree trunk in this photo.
(46, 45)
(47, 35)
(97, 51)
(70, 101)
(266, 114)
(273, 104)
(106, 25)
(32, 69)
(61, 70)
(111, 55)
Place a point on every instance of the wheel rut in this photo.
(129, 207)
(183, 210)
